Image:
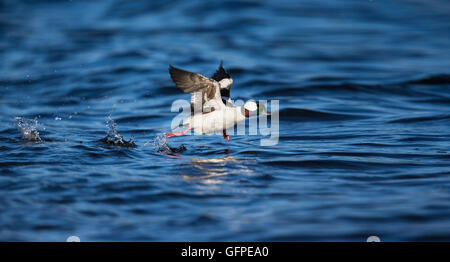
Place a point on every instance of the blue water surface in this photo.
(364, 121)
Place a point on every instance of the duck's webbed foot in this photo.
(182, 133)
(225, 136)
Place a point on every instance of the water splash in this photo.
(113, 137)
(28, 128)
(161, 145)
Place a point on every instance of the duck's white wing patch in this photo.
(226, 83)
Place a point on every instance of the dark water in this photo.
(364, 90)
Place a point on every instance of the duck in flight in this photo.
(211, 106)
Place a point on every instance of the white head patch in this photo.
(251, 106)
(226, 82)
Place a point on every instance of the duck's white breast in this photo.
(215, 121)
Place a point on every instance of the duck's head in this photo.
(251, 108)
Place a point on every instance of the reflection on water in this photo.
(215, 170)
(209, 170)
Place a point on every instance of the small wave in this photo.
(311, 115)
(336, 85)
(129, 119)
(28, 128)
(113, 137)
(420, 119)
(341, 164)
(432, 80)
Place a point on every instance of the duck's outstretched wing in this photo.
(222, 75)
(205, 91)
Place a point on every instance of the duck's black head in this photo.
(221, 73)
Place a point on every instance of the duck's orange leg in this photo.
(227, 137)
(177, 133)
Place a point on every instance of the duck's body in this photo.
(211, 107)
(216, 121)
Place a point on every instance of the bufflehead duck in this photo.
(211, 106)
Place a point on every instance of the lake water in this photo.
(364, 121)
